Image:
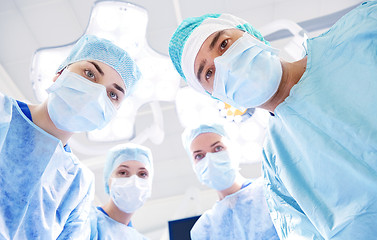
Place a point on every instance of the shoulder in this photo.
(202, 227)
(6, 104)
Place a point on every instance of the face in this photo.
(204, 143)
(103, 74)
(214, 46)
(129, 168)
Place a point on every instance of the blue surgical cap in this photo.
(127, 152)
(90, 47)
(216, 22)
(191, 133)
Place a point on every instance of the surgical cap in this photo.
(127, 152)
(90, 47)
(190, 35)
(191, 133)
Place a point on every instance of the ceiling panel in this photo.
(56, 18)
(82, 10)
(7, 5)
(16, 40)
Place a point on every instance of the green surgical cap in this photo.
(90, 47)
(127, 152)
(187, 27)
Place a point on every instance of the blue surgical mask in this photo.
(216, 170)
(247, 74)
(76, 104)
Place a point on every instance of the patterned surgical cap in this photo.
(90, 47)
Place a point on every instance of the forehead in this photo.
(226, 33)
(131, 164)
(205, 140)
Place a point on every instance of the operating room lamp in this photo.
(124, 24)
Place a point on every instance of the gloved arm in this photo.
(289, 220)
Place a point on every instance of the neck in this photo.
(232, 189)
(115, 213)
(292, 73)
(41, 118)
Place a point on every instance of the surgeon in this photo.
(128, 175)
(46, 192)
(321, 148)
(241, 212)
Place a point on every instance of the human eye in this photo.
(199, 156)
(208, 74)
(223, 44)
(122, 172)
(113, 96)
(218, 148)
(90, 74)
(143, 174)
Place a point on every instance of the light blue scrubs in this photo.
(242, 215)
(321, 149)
(104, 227)
(45, 192)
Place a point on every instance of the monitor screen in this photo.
(180, 229)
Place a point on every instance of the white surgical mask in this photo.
(216, 170)
(130, 193)
(247, 74)
(76, 104)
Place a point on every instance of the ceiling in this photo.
(27, 25)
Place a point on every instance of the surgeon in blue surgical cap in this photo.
(128, 175)
(321, 148)
(241, 212)
(46, 192)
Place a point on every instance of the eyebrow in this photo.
(211, 46)
(200, 70)
(197, 151)
(118, 87)
(124, 166)
(97, 67)
(211, 146)
(215, 39)
(215, 143)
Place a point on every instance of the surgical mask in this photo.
(247, 74)
(130, 193)
(75, 104)
(216, 170)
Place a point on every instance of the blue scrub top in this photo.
(103, 211)
(45, 191)
(321, 147)
(25, 109)
(105, 228)
(243, 215)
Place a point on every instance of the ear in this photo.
(56, 77)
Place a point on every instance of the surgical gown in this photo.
(104, 227)
(242, 215)
(321, 149)
(45, 192)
